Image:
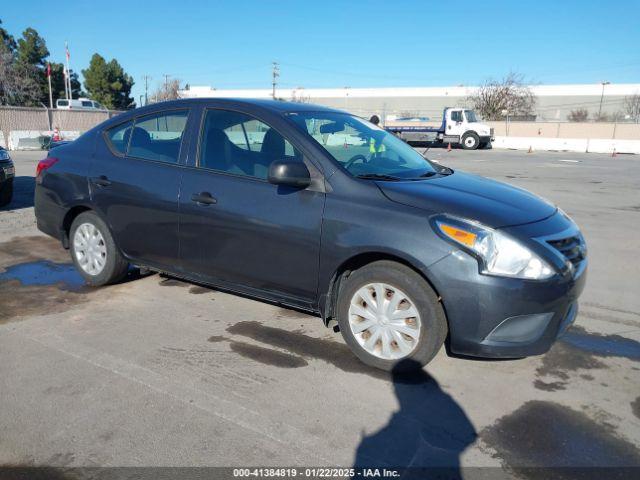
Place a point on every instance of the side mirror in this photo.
(293, 174)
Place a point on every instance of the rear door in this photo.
(134, 181)
(235, 227)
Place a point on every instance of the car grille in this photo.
(572, 248)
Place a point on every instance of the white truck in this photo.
(460, 126)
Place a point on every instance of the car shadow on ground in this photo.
(23, 190)
(426, 435)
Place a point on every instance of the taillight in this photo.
(44, 164)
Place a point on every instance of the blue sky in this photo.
(353, 43)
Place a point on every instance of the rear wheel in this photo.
(470, 141)
(93, 251)
(388, 313)
(6, 193)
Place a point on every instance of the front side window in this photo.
(237, 143)
(362, 148)
(87, 104)
(118, 137)
(63, 103)
(157, 137)
(471, 116)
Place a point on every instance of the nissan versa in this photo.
(317, 209)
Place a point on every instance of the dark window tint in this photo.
(87, 104)
(456, 116)
(63, 103)
(240, 144)
(157, 137)
(118, 137)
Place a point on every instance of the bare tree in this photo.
(166, 91)
(632, 107)
(298, 96)
(18, 85)
(510, 94)
(578, 115)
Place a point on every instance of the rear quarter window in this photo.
(117, 137)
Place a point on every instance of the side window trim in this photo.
(107, 140)
(203, 119)
(136, 119)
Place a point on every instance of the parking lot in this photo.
(158, 372)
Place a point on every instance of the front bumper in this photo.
(498, 317)
(486, 138)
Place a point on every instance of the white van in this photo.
(79, 104)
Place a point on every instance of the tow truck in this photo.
(460, 126)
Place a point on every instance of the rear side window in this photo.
(63, 103)
(158, 137)
(118, 137)
(456, 116)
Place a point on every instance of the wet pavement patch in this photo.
(562, 359)
(602, 345)
(172, 282)
(198, 290)
(549, 386)
(539, 436)
(635, 407)
(267, 356)
(44, 272)
(305, 346)
(36, 278)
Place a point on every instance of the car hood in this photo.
(492, 203)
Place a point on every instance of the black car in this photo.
(7, 173)
(317, 209)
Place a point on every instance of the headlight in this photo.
(4, 155)
(499, 254)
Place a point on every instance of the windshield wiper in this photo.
(378, 176)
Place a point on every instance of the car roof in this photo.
(276, 106)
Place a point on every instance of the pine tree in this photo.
(108, 83)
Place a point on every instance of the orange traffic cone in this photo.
(449, 147)
(614, 154)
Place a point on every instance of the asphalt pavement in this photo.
(159, 372)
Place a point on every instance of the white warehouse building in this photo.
(554, 102)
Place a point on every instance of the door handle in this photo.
(101, 181)
(203, 198)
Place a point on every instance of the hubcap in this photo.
(384, 321)
(90, 249)
(470, 141)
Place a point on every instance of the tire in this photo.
(403, 281)
(113, 268)
(470, 141)
(6, 193)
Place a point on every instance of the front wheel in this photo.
(470, 141)
(93, 251)
(388, 313)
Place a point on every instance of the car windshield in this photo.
(471, 116)
(363, 149)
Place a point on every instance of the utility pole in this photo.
(275, 74)
(146, 79)
(166, 86)
(601, 98)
